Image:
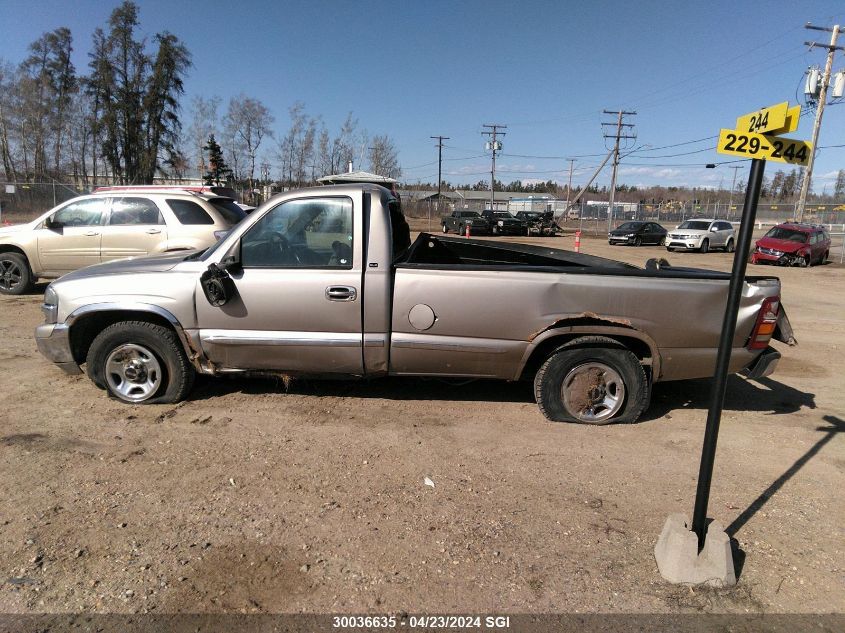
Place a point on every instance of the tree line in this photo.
(121, 121)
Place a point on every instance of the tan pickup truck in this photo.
(325, 281)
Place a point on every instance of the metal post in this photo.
(808, 173)
(720, 379)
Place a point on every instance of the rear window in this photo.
(188, 212)
(230, 212)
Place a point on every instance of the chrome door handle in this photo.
(341, 293)
(153, 231)
(91, 233)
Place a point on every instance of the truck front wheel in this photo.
(140, 363)
(592, 380)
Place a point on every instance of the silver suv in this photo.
(702, 235)
(111, 225)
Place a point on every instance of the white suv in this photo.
(111, 225)
(702, 235)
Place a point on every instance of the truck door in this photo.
(298, 301)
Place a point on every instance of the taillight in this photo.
(767, 320)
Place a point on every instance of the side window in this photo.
(82, 213)
(189, 212)
(814, 238)
(134, 212)
(306, 233)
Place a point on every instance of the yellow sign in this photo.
(792, 116)
(751, 145)
(764, 120)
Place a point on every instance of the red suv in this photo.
(792, 244)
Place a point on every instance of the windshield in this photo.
(231, 212)
(780, 233)
(629, 226)
(695, 225)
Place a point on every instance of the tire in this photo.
(15, 275)
(495, 230)
(729, 246)
(807, 261)
(662, 242)
(126, 352)
(705, 246)
(638, 241)
(613, 384)
(670, 249)
(824, 257)
(445, 229)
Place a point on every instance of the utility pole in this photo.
(617, 136)
(439, 147)
(831, 49)
(495, 146)
(733, 188)
(569, 188)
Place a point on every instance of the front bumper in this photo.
(510, 229)
(53, 342)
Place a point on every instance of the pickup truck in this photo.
(326, 282)
(458, 221)
(504, 223)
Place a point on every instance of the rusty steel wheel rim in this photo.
(593, 392)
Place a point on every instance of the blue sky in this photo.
(413, 69)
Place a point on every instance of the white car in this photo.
(702, 235)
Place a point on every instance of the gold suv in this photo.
(112, 225)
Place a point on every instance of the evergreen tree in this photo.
(217, 172)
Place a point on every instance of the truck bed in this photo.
(449, 253)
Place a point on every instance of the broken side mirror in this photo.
(217, 285)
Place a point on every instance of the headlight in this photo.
(631, 235)
(50, 307)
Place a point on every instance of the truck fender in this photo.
(560, 332)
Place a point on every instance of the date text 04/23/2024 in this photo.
(421, 621)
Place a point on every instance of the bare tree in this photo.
(384, 159)
(246, 123)
(204, 123)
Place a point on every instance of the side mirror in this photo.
(52, 225)
(217, 285)
(715, 229)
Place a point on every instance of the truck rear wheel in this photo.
(140, 363)
(592, 380)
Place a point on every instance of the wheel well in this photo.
(86, 328)
(639, 348)
(8, 248)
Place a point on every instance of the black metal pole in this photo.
(720, 379)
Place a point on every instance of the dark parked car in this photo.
(792, 244)
(637, 233)
(503, 223)
(539, 223)
(459, 220)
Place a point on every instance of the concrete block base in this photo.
(679, 561)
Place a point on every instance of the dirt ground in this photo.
(251, 497)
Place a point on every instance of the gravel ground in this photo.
(254, 496)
